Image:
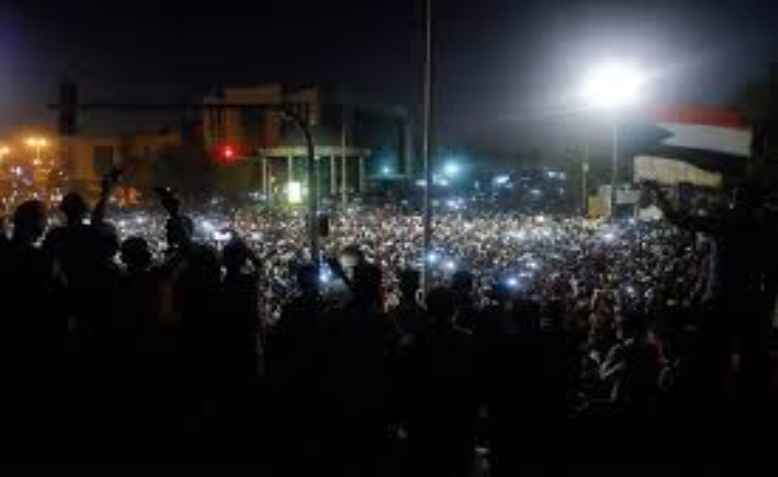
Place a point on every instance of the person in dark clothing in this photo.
(355, 377)
(293, 365)
(745, 282)
(408, 316)
(467, 312)
(441, 393)
(32, 342)
(238, 325)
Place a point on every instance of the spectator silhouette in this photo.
(467, 312)
(745, 283)
(442, 399)
(408, 316)
(33, 335)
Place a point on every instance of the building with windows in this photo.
(348, 134)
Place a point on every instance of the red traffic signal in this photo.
(226, 153)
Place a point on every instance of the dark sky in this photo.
(504, 66)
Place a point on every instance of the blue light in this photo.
(386, 170)
(502, 180)
(451, 169)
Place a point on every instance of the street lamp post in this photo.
(612, 87)
(37, 143)
(427, 147)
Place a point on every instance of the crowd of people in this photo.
(178, 321)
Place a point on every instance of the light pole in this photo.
(37, 143)
(428, 79)
(612, 87)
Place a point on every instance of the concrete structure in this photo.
(346, 133)
(86, 158)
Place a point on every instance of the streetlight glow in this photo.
(613, 85)
(451, 169)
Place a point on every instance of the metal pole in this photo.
(313, 197)
(427, 148)
(344, 164)
(333, 175)
(584, 186)
(614, 166)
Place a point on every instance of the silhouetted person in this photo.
(293, 363)
(355, 374)
(239, 308)
(408, 315)
(441, 393)
(32, 341)
(137, 319)
(744, 284)
(467, 311)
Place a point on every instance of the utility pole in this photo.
(427, 148)
(584, 178)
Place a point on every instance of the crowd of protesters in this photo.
(173, 323)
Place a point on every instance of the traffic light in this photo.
(68, 109)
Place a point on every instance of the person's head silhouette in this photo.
(74, 207)
(367, 285)
(441, 306)
(106, 242)
(29, 221)
(234, 255)
(409, 284)
(462, 283)
(179, 231)
(135, 253)
(308, 279)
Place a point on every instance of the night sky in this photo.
(505, 67)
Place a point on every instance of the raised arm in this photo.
(107, 186)
(681, 219)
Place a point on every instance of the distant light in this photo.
(229, 152)
(512, 282)
(222, 236)
(433, 257)
(386, 170)
(451, 169)
(450, 265)
(609, 237)
(536, 192)
(502, 180)
(294, 192)
(632, 221)
(421, 183)
(207, 225)
(540, 219)
(613, 85)
(519, 234)
(256, 236)
(551, 174)
(533, 265)
(140, 220)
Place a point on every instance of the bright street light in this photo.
(4, 151)
(451, 169)
(613, 85)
